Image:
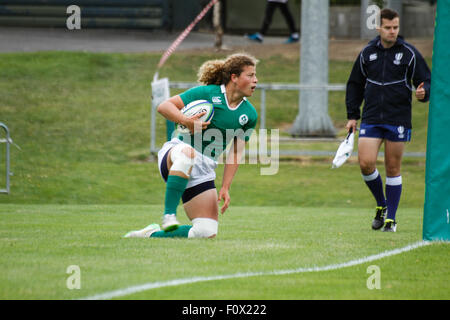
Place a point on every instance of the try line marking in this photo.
(178, 282)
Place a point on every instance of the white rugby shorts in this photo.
(204, 167)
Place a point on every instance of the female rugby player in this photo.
(187, 162)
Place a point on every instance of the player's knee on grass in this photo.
(203, 228)
(183, 158)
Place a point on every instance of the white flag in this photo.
(344, 151)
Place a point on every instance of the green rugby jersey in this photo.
(226, 123)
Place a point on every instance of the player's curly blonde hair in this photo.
(220, 71)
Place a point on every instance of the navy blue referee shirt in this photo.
(382, 78)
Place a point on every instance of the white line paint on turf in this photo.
(177, 282)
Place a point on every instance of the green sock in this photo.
(174, 190)
(180, 232)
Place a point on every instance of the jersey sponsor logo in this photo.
(398, 57)
(243, 119)
(373, 56)
(216, 100)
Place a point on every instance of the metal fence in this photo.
(8, 141)
(262, 87)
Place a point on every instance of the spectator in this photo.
(270, 9)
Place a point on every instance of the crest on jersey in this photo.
(243, 119)
(398, 57)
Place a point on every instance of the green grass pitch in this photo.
(39, 242)
(82, 180)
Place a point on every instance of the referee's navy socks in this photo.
(393, 193)
(375, 184)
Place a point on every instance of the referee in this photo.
(381, 76)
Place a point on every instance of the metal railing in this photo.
(8, 141)
(263, 87)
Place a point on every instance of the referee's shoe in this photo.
(391, 226)
(380, 215)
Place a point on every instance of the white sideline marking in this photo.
(177, 282)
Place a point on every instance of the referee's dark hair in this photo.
(388, 14)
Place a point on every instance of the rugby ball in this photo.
(196, 107)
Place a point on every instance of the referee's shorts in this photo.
(385, 131)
